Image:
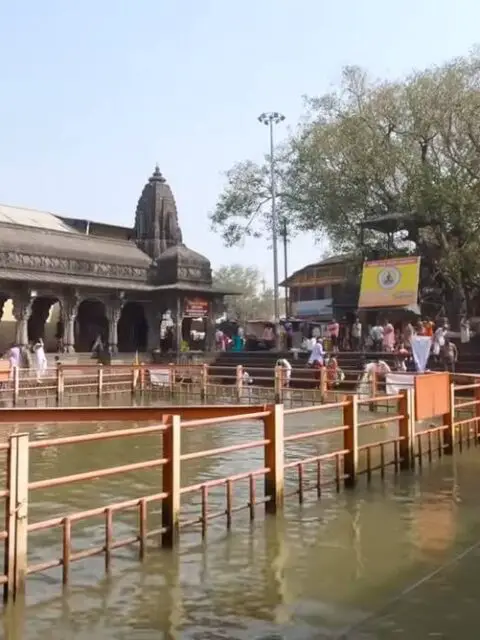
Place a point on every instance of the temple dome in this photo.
(181, 264)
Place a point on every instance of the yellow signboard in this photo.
(390, 283)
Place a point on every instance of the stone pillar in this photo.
(70, 306)
(22, 309)
(154, 318)
(114, 311)
(178, 322)
(210, 326)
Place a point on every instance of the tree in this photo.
(407, 149)
(254, 302)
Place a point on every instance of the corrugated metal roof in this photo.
(33, 218)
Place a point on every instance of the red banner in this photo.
(195, 308)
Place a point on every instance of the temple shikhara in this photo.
(71, 281)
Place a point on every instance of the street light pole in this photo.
(270, 119)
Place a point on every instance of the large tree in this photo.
(408, 148)
(254, 300)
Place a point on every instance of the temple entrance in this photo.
(90, 323)
(45, 322)
(132, 328)
(194, 333)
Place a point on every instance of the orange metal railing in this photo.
(56, 386)
(349, 446)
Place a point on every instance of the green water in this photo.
(377, 562)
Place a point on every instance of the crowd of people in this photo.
(31, 357)
(385, 337)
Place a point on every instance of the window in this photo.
(306, 293)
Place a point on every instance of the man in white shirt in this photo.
(357, 335)
(377, 337)
(286, 370)
(317, 354)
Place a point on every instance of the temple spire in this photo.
(157, 175)
(156, 220)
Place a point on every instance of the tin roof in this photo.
(32, 218)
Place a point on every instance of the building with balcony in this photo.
(324, 289)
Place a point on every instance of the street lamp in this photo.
(270, 119)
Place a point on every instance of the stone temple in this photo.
(69, 281)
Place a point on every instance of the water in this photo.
(382, 561)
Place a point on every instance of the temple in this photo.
(71, 281)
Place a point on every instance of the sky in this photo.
(94, 94)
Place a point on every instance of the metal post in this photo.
(270, 119)
(274, 229)
(285, 267)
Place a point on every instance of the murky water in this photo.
(382, 561)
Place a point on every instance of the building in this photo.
(69, 281)
(322, 290)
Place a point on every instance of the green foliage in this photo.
(254, 302)
(408, 148)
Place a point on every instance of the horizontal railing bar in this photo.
(425, 432)
(221, 481)
(230, 449)
(464, 387)
(318, 407)
(466, 421)
(98, 473)
(469, 403)
(379, 443)
(382, 420)
(89, 437)
(318, 432)
(96, 511)
(379, 398)
(323, 456)
(203, 422)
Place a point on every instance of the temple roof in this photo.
(183, 255)
(69, 244)
(20, 216)
(41, 247)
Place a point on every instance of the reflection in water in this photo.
(316, 570)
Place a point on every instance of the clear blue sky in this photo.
(92, 94)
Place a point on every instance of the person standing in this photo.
(439, 338)
(286, 368)
(377, 337)
(333, 333)
(316, 359)
(356, 335)
(449, 355)
(13, 359)
(464, 330)
(408, 334)
(39, 359)
(388, 337)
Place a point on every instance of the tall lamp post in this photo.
(270, 119)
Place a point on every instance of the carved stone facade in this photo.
(71, 263)
(9, 259)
